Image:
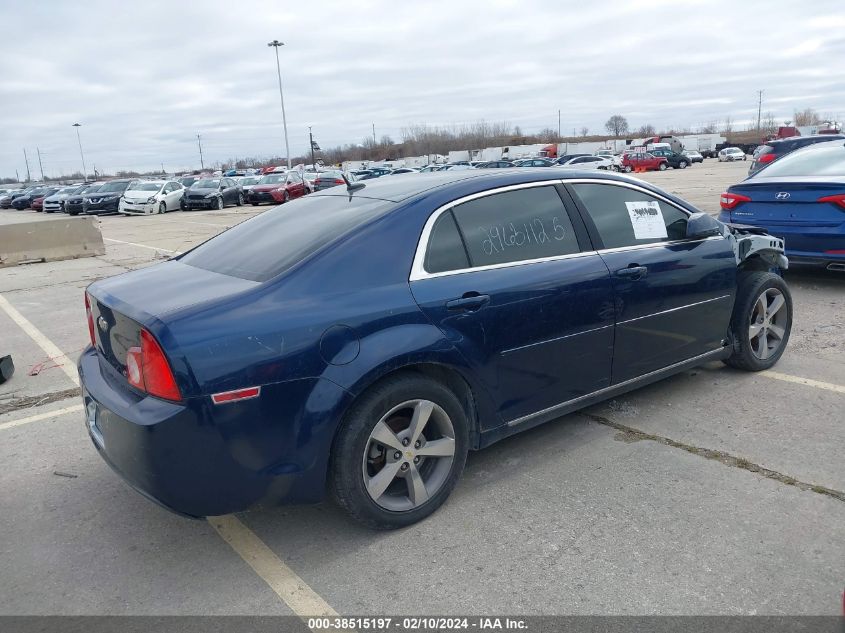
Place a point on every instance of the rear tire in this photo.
(413, 486)
(761, 321)
(627, 169)
(682, 164)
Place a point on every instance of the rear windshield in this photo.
(817, 160)
(270, 243)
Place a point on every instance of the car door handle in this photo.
(632, 272)
(470, 302)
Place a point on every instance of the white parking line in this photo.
(41, 416)
(219, 226)
(152, 248)
(294, 591)
(53, 352)
(798, 380)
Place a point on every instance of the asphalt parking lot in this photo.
(713, 492)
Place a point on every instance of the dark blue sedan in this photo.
(363, 339)
(799, 198)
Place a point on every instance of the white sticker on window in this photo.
(647, 219)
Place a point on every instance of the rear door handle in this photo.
(633, 272)
(470, 302)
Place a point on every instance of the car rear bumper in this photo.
(199, 459)
(804, 245)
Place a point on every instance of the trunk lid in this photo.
(788, 202)
(122, 305)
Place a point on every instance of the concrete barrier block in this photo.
(50, 240)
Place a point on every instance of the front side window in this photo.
(630, 217)
(513, 226)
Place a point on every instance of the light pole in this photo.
(276, 44)
(79, 140)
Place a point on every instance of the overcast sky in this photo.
(144, 78)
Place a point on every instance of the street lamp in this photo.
(84, 170)
(276, 44)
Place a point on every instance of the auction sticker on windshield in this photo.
(647, 219)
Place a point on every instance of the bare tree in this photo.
(768, 124)
(709, 128)
(647, 130)
(548, 135)
(585, 131)
(617, 125)
(807, 116)
(728, 126)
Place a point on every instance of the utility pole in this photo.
(79, 140)
(311, 143)
(26, 160)
(759, 108)
(276, 44)
(374, 134)
(199, 142)
(162, 169)
(558, 124)
(40, 166)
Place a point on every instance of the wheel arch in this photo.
(445, 373)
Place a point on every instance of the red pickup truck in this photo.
(633, 161)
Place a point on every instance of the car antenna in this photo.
(352, 186)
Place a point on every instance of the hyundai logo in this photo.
(782, 195)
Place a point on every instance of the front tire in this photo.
(662, 167)
(628, 169)
(761, 321)
(220, 204)
(162, 207)
(682, 164)
(240, 199)
(399, 452)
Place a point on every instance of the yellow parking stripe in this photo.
(798, 380)
(294, 591)
(41, 416)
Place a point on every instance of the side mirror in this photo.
(701, 225)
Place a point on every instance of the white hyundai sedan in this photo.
(152, 196)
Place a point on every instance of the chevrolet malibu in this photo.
(363, 339)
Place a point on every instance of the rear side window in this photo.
(445, 248)
(270, 243)
(824, 159)
(516, 226)
(628, 217)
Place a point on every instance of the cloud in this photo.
(145, 80)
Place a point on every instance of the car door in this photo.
(513, 284)
(674, 296)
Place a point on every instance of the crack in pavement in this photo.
(26, 402)
(630, 434)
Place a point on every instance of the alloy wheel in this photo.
(408, 455)
(768, 323)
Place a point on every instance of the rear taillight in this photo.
(732, 200)
(90, 320)
(766, 158)
(838, 199)
(147, 369)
